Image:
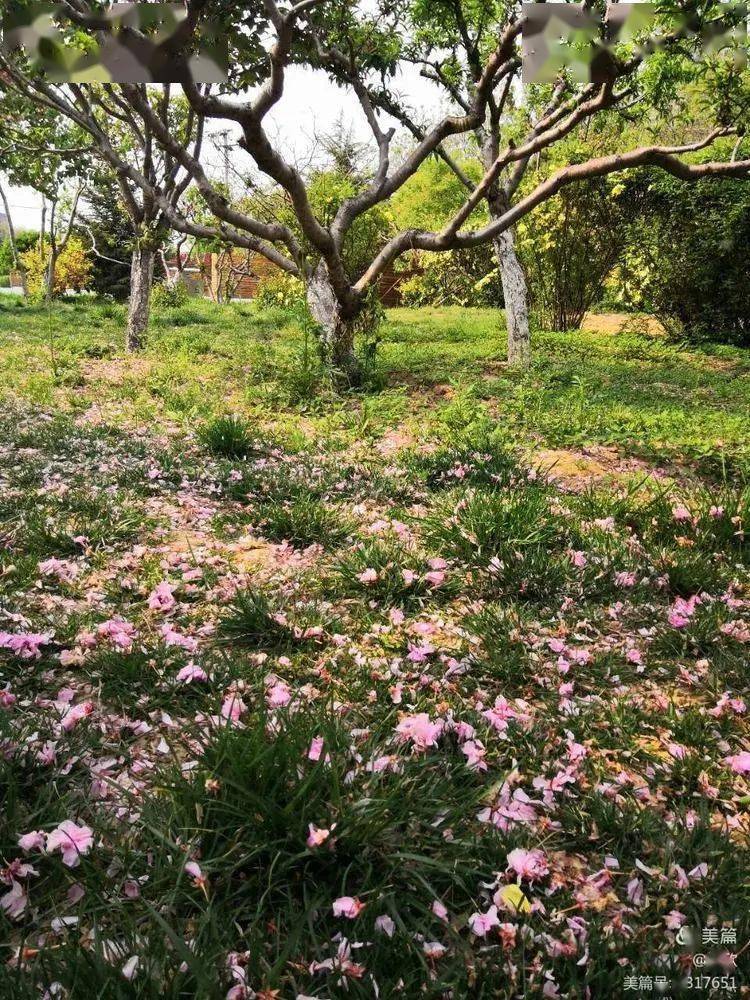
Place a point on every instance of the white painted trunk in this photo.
(516, 301)
(139, 306)
(336, 332)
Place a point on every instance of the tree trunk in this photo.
(18, 264)
(516, 301)
(336, 330)
(141, 281)
(50, 274)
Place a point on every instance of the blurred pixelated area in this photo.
(134, 43)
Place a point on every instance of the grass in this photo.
(633, 391)
(313, 669)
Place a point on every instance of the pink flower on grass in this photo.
(233, 707)
(316, 748)
(347, 906)
(25, 645)
(578, 559)
(161, 597)
(740, 762)
(14, 903)
(482, 923)
(368, 576)
(475, 754)
(33, 841)
(682, 611)
(435, 577)
(385, 925)
(420, 729)
(72, 840)
(191, 672)
(278, 694)
(73, 714)
(318, 835)
(528, 864)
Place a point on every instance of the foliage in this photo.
(570, 244)
(24, 241)
(72, 269)
(281, 291)
(454, 278)
(113, 234)
(689, 261)
(230, 436)
(169, 295)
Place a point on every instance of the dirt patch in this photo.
(615, 323)
(115, 371)
(575, 470)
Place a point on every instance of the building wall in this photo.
(259, 269)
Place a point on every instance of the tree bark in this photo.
(139, 306)
(336, 330)
(18, 264)
(516, 301)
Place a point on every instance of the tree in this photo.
(364, 50)
(135, 169)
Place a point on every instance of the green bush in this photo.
(4, 281)
(689, 263)
(169, 296)
(456, 278)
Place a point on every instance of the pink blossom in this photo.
(385, 925)
(233, 707)
(475, 754)
(194, 870)
(74, 713)
(368, 576)
(440, 910)
(435, 577)
(318, 835)
(161, 597)
(433, 949)
(482, 923)
(63, 569)
(15, 901)
(681, 513)
(578, 559)
(191, 672)
(500, 714)
(72, 840)
(674, 920)
(682, 611)
(316, 748)
(347, 906)
(528, 864)
(420, 729)
(740, 762)
(278, 694)
(33, 841)
(25, 645)
(174, 638)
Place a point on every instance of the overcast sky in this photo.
(311, 104)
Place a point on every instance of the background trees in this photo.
(364, 50)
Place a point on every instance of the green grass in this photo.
(630, 390)
(252, 588)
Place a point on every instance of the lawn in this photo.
(434, 689)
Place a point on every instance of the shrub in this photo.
(455, 278)
(281, 291)
(170, 295)
(303, 522)
(689, 264)
(569, 245)
(4, 281)
(72, 271)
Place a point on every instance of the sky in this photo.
(311, 105)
